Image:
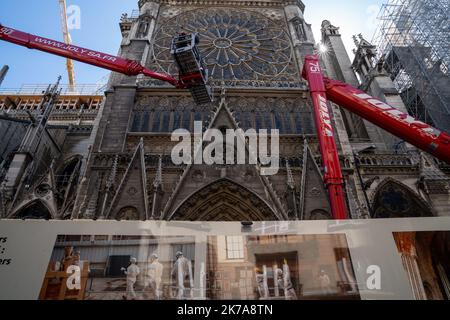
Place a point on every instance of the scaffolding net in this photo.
(413, 40)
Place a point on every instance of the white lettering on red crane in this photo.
(397, 114)
(325, 116)
(5, 30)
(314, 67)
(67, 47)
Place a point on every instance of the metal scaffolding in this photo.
(413, 41)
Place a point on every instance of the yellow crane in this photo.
(67, 40)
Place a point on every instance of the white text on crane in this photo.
(75, 49)
(397, 114)
(5, 30)
(325, 116)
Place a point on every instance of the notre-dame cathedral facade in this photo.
(114, 161)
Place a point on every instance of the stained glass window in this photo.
(136, 125)
(187, 120)
(165, 122)
(156, 121)
(279, 122)
(176, 120)
(235, 44)
(145, 121)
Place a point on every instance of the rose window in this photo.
(235, 44)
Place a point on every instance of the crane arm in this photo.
(95, 58)
(67, 40)
(398, 123)
(333, 178)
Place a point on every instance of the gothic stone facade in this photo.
(254, 52)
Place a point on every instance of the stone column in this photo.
(406, 246)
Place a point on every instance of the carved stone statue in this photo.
(261, 281)
(143, 28)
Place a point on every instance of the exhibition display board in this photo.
(310, 260)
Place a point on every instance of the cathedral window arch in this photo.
(392, 199)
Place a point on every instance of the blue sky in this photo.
(100, 31)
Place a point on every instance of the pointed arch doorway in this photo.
(35, 210)
(224, 200)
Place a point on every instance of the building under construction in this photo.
(414, 43)
(116, 163)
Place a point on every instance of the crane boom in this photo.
(95, 58)
(398, 123)
(68, 41)
(193, 75)
(333, 178)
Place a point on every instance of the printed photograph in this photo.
(105, 267)
(280, 267)
(426, 259)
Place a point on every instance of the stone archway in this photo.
(224, 200)
(34, 210)
(392, 199)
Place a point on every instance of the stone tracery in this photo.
(236, 44)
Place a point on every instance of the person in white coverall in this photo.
(154, 275)
(182, 270)
(325, 283)
(132, 272)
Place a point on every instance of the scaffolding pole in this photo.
(3, 73)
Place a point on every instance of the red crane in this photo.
(194, 76)
(400, 124)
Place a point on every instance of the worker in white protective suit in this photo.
(325, 283)
(182, 271)
(131, 272)
(153, 275)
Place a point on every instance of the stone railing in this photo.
(387, 160)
